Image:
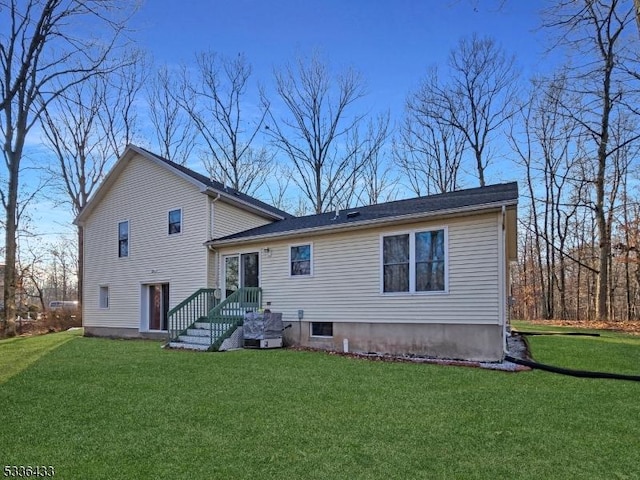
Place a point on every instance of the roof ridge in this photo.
(431, 197)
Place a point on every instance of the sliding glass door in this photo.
(240, 271)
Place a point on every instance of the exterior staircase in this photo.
(201, 323)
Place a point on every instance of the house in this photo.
(170, 252)
(144, 234)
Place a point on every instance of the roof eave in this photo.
(133, 150)
(366, 223)
(238, 201)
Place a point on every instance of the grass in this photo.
(611, 352)
(96, 408)
(18, 353)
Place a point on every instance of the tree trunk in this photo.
(602, 293)
(11, 224)
(480, 168)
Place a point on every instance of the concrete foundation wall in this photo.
(462, 342)
(121, 332)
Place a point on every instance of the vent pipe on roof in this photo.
(337, 213)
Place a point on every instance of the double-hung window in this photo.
(175, 221)
(415, 262)
(300, 260)
(123, 239)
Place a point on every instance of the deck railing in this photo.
(195, 307)
(231, 310)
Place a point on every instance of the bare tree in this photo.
(86, 129)
(175, 133)
(428, 150)
(319, 132)
(362, 183)
(122, 88)
(378, 181)
(600, 39)
(63, 266)
(216, 103)
(41, 46)
(278, 188)
(477, 97)
(31, 276)
(550, 150)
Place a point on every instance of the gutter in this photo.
(234, 199)
(364, 223)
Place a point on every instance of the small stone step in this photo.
(200, 340)
(216, 326)
(188, 346)
(198, 332)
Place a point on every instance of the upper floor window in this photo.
(300, 260)
(175, 221)
(414, 262)
(123, 239)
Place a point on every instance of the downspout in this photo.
(211, 214)
(502, 264)
(211, 228)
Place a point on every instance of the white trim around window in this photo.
(321, 329)
(103, 297)
(175, 227)
(301, 266)
(411, 264)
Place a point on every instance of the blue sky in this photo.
(390, 42)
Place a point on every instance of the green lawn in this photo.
(96, 408)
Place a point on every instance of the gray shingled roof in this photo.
(222, 188)
(470, 199)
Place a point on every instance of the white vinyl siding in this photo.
(345, 286)
(144, 193)
(228, 219)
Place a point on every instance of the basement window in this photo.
(321, 329)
